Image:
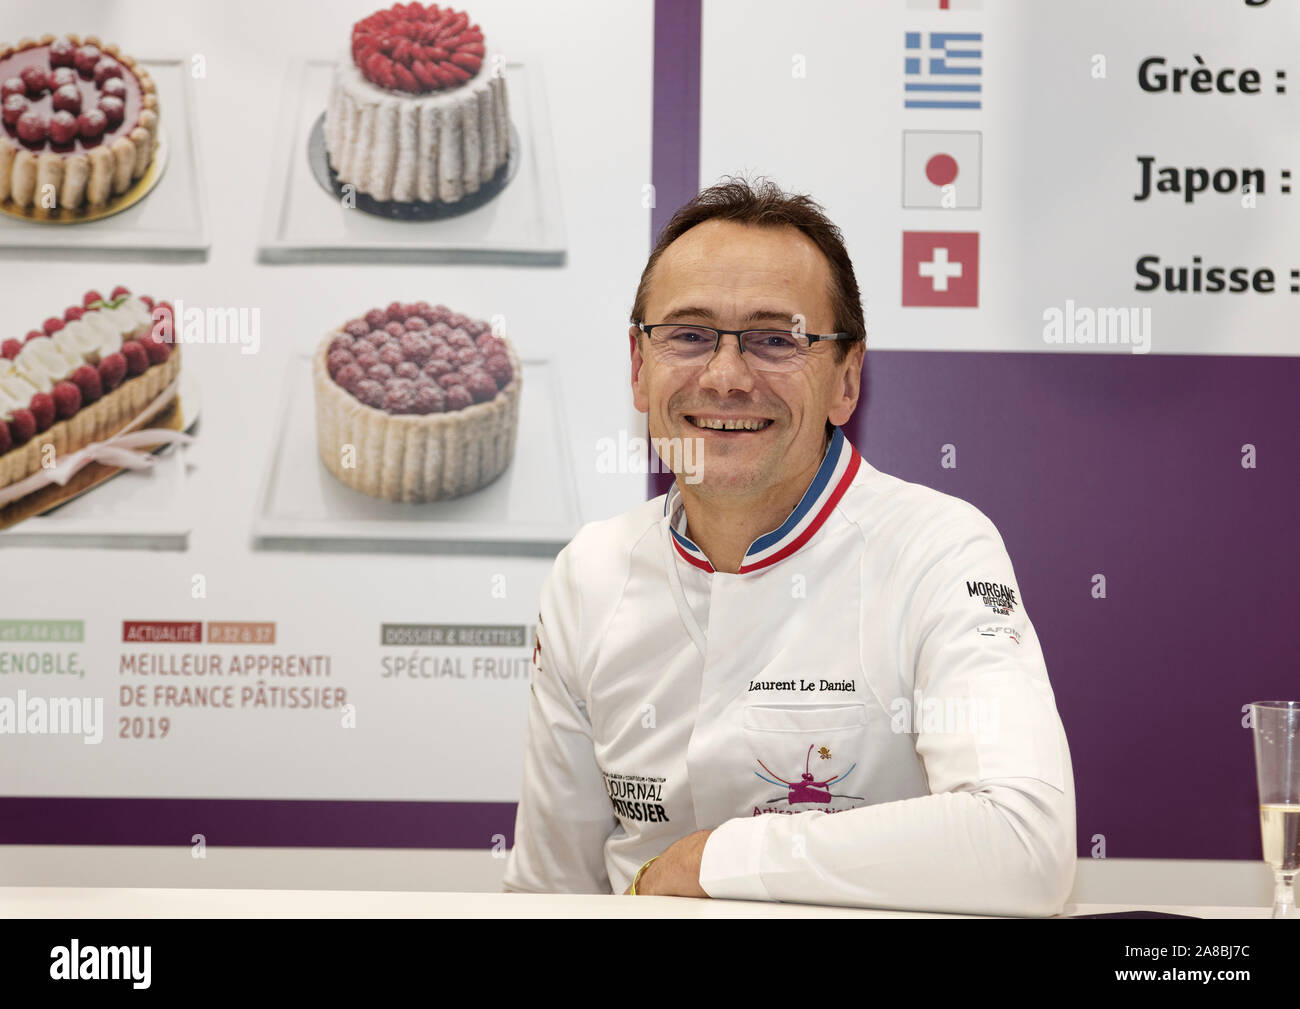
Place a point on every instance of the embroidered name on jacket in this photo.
(636, 797)
(803, 685)
(999, 598)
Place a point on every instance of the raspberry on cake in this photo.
(82, 379)
(417, 114)
(77, 115)
(396, 421)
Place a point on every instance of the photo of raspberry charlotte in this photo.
(78, 115)
(82, 377)
(417, 114)
(416, 403)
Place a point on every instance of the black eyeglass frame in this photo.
(812, 338)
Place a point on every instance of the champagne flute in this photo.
(1277, 769)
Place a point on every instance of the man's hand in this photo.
(675, 873)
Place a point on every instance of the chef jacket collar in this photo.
(836, 472)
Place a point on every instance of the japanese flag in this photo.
(941, 170)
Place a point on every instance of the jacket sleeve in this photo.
(997, 833)
(564, 814)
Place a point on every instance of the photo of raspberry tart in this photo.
(419, 111)
(76, 115)
(83, 377)
(416, 403)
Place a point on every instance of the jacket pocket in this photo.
(804, 756)
(804, 717)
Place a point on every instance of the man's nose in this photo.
(727, 369)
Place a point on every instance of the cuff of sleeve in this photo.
(732, 859)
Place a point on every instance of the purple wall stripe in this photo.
(675, 148)
(255, 822)
(1129, 466)
(675, 145)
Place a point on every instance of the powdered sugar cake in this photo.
(419, 113)
(416, 403)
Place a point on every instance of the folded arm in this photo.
(996, 834)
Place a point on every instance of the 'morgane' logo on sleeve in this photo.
(999, 598)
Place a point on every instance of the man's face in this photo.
(737, 276)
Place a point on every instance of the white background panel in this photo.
(1058, 219)
(438, 739)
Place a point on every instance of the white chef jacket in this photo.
(862, 713)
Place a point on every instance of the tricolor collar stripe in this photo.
(684, 546)
(833, 464)
(697, 559)
(828, 506)
(836, 472)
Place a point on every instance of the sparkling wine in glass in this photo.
(1277, 770)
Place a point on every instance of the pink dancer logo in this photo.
(806, 789)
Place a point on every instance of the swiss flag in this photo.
(941, 269)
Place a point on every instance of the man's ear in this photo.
(639, 397)
(851, 387)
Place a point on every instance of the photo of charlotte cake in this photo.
(433, 139)
(416, 403)
(79, 393)
(418, 120)
(80, 129)
(418, 426)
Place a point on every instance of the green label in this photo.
(54, 631)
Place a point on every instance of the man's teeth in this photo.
(730, 425)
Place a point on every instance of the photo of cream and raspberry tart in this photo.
(418, 112)
(416, 403)
(79, 116)
(82, 377)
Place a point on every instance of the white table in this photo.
(108, 902)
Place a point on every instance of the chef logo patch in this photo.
(636, 797)
(808, 789)
(999, 598)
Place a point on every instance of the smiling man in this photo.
(793, 677)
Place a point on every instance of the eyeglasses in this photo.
(764, 349)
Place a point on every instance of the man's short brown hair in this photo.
(764, 204)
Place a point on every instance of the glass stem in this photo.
(1284, 896)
